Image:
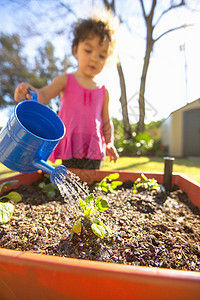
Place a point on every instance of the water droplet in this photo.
(72, 189)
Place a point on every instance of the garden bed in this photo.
(152, 234)
(149, 228)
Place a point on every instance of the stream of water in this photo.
(72, 189)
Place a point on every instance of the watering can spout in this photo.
(57, 174)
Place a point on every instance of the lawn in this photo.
(190, 168)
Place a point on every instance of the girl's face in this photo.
(91, 56)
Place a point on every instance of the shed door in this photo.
(191, 132)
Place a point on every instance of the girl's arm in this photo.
(108, 130)
(44, 94)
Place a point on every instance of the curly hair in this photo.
(88, 28)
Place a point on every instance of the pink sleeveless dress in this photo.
(80, 112)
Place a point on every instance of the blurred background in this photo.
(160, 71)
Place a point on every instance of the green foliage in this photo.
(157, 148)
(109, 183)
(154, 125)
(6, 212)
(7, 184)
(145, 143)
(49, 189)
(14, 196)
(15, 66)
(147, 184)
(140, 144)
(91, 210)
(7, 209)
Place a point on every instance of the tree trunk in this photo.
(110, 6)
(123, 99)
(140, 126)
(149, 47)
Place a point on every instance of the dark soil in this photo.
(149, 228)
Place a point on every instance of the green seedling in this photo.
(49, 189)
(7, 208)
(147, 184)
(109, 183)
(91, 210)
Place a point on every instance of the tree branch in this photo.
(143, 9)
(182, 3)
(172, 29)
(148, 18)
(110, 6)
(153, 8)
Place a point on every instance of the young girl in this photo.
(84, 105)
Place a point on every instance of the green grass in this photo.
(190, 168)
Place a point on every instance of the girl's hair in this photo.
(88, 28)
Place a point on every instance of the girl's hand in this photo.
(112, 152)
(21, 91)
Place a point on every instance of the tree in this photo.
(150, 41)
(127, 131)
(15, 68)
(150, 24)
(61, 13)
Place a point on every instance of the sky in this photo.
(172, 79)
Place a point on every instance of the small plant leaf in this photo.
(42, 185)
(115, 184)
(50, 190)
(102, 205)
(89, 199)
(99, 222)
(108, 229)
(16, 197)
(98, 200)
(146, 183)
(105, 189)
(82, 203)
(113, 176)
(134, 187)
(98, 230)
(6, 212)
(91, 211)
(103, 182)
(144, 177)
(107, 184)
(7, 183)
(77, 226)
(51, 194)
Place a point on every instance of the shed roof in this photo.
(187, 105)
(184, 107)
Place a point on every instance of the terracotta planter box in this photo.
(26, 275)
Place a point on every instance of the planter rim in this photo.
(27, 273)
(61, 263)
(191, 187)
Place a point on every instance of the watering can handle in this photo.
(33, 96)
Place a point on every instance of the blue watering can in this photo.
(29, 137)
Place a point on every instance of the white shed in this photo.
(181, 131)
